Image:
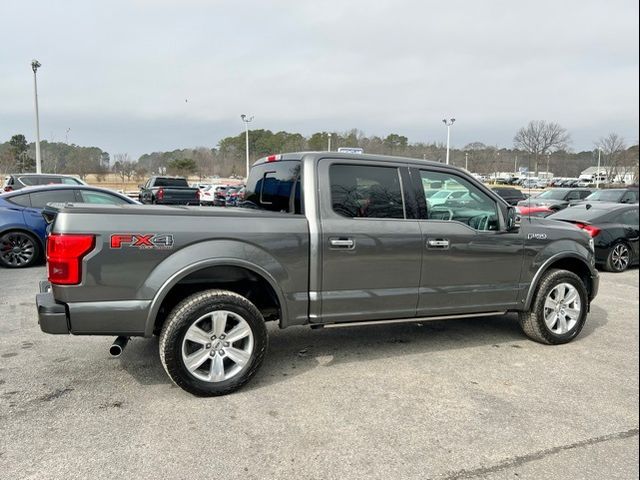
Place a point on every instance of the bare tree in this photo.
(613, 148)
(540, 137)
(124, 166)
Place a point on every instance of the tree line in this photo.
(538, 146)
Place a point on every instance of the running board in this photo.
(409, 320)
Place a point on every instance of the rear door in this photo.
(370, 242)
(470, 263)
(629, 220)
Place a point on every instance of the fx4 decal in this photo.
(144, 241)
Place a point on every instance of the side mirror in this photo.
(513, 219)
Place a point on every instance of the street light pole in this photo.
(448, 123)
(246, 121)
(466, 161)
(598, 171)
(329, 142)
(35, 64)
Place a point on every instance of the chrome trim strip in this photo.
(412, 320)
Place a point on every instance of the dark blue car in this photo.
(22, 227)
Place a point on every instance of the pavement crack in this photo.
(531, 457)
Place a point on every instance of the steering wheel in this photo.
(483, 221)
(440, 209)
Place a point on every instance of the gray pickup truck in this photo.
(168, 191)
(321, 239)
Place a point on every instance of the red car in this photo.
(535, 211)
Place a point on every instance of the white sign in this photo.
(350, 150)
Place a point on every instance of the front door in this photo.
(470, 262)
(371, 242)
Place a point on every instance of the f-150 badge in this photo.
(537, 236)
(161, 241)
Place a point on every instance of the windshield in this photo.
(606, 195)
(553, 194)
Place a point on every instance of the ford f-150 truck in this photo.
(321, 239)
(169, 191)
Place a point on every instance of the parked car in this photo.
(614, 229)
(330, 239)
(22, 227)
(612, 195)
(542, 183)
(442, 196)
(556, 198)
(16, 181)
(529, 182)
(233, 195)
(511, 195)
(169, 191)
(207, 196)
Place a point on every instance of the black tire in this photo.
(614, 263)
(533, 323)
(184, 315)
(26, 242)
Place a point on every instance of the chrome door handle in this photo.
(341, 242)
(438, 243)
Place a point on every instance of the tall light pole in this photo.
(246, 121)
(35, 64)
(466, 161)
(448, 123)
(598, 171)
(329, 142)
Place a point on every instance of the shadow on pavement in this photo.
(297, 350)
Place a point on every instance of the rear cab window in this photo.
(274, 186)
(170, 182)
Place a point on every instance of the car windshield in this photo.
(606, 195)
(553, 194)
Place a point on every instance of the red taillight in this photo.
(590, 229)
(198, 194)
(64, 257)
(160, 194)
(8, 189)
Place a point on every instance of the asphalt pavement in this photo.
(441, 400)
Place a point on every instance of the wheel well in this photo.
(575, 266)
(240, 280)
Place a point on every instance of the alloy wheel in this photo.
(562, 308)
(217, 346)
(620, 257)
(17, 249)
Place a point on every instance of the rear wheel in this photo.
(558, 310)
(213, 342)
(619, 258)
(18, 249)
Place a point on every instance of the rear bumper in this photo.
(52, 316)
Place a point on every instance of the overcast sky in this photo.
(142, 76)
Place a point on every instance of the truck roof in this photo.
(353, 156)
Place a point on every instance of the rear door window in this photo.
(40, 199)
(361, 191)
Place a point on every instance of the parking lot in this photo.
(443, 400)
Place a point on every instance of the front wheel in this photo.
(213, 342)
(558, 310)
